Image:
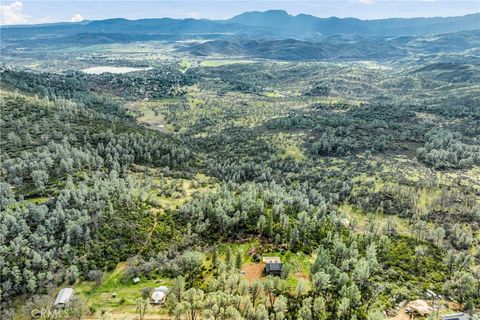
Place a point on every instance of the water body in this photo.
(110, 69)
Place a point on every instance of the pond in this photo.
(110, 69)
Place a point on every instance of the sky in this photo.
(40, 11)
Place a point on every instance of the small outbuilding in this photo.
(455, 316)
(273, 266)
(64, 296)
(136, 280)
(274, 269)
(430, 294)
(159, 295)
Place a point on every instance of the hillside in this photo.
(340, 47)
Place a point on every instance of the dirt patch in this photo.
(446, 307)
(253, 271)
(301, 275)
(401, 315)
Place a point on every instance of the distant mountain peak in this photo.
(262, 18)
(264, 13)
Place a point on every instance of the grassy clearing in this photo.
(360, 219)
(222, 62)
(38, 200)
(99, 299)
(168, 192)
(289, 145)
(150, 113)
(294, 152)
(299, 263)
(185, 64)
(273, 94)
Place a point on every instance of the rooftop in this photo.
(455, 316)
(274, 266)
(64, 296)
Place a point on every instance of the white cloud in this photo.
(76, 18)
(12, 13)
(366, 1)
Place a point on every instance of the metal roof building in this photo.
(455, 316)
(273, 268)
(64, 297)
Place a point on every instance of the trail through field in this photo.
(155, 212)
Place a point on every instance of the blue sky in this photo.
(39, 11)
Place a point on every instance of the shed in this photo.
(63, 297)
(455, 316)
(273, 268)
(136, 280)
(159, 294)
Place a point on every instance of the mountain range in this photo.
(270, 34)
(272, 23)
(311, 25)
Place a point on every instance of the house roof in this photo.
(456, 316)
(158, 296)
(277, 266)
(64, 296)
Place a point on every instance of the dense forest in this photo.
(363, 177)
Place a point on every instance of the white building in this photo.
(158, 295)
(64, 297)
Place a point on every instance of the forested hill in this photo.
(340, 47)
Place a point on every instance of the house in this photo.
(158, 295)
(273, 266)
(455, 316)
(273, 269)
(64, 297)
(136, 280)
